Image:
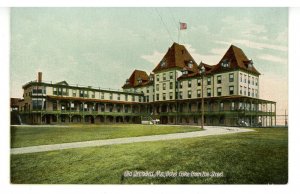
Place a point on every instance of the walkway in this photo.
(209, 130)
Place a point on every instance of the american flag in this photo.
(183, 26)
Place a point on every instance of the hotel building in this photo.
(171, 93)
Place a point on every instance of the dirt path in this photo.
(209, 130)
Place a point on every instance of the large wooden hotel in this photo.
(172, 93)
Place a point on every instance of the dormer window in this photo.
(163, 64)
(151, 78)
(127, 81)
(190, 64)
(225, 63)
(139, 80)
(184, 71)
(250, 64)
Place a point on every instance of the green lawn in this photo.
(22, 136)
(244, 158)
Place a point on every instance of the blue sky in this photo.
(102, 46)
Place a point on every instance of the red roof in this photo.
(236, 59)
(176, 56)
(133, 80)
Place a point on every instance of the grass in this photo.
(22, 136)
(259, 157)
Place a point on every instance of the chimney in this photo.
(40, 77)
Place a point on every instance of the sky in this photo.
(102, 46)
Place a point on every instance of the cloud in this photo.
(247, 28)
(208, 58)
(153, 58)
(273, 58)
(255, 45)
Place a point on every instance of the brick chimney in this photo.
(40, 75)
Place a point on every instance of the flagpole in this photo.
(178, 32)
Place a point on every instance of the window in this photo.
(171, 85)
(256, 81)
(221, 106)
(74, 93)
(190, 64)
(199, 82)
(171, 75)
(157, 77)
(252, 80)
(241, 90)
(54, 91)
(164, 96)
(180, 95)
(64, 92)
(245, 91)
(110, 96)
(208, 92)
(180, 84)
(248, 79)
(232, 106)
(164, 86)
(252, 94)
(219, 79)
(162, 63)
(126, 97)
(245, 78)
(133, 98)
(140, 99)
(147, 98)
(59, 91)
(208, 81)
(190, 83)
(157, 87)
(231, 77)
(231, 90)
(219, 91)
(81, 93)
(164, 76)
(157, 97)
(198, 93)
(249, 92)
(102, 95)
(93, 94)
(241, 77)
(171, 95)
(119, 97)
(147, 90)
(37, 104)
(54, 106)
(256, 93)
(189, 94)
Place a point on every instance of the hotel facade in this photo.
(172, 93)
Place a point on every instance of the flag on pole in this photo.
(183, 26)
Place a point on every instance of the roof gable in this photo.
(64, 83)
(234, 58)
(176, 56)
(137, 78)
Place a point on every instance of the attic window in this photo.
(184, 71)
(225, 63)
(190, 64)
(140, 80)
(127, 81)
(250, 64)
(162, 63)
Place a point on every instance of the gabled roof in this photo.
(237, 60)
(176, 56)
(133, 80)
(62, 83)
